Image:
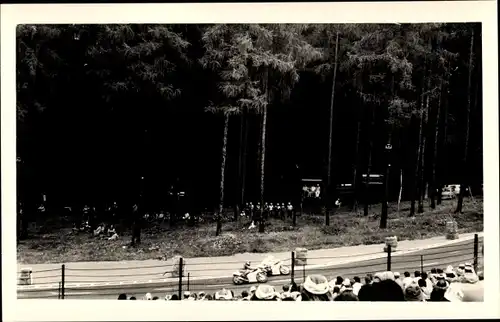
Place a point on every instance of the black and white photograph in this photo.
(250, 162)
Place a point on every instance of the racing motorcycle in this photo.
(257, 275)
(274, 266)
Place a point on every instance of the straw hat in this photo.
(265, 292)
(223, 295)
(316, 284)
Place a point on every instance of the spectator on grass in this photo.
(413, 293)
(316, 288)
(201, 296)
(357, 285)
(386, 291)
(265, 293)
(122, 296)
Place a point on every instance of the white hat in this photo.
(265, 292)
(148, 296)
(223, 294)
(346, 282)
(316, 284)
(396, 274)
(253, 289)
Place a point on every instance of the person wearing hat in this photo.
(265, 293)
(223, 295)
(201, 296)
(252, 290)
(186, 295)
(413, 293)
(407, 280)
(316, 288)
(346, 286)
(460, 269)
(460, 292)
(148, 297)
(469, 276)
(438, 291)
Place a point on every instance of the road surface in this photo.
(438, 257)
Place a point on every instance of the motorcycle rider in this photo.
(247, 268)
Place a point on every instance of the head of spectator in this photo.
(417, 274)
(368, 280)
(357, 285)
(286, 288)
(356, 279)
(316, 288)
(168, 297)
(339, 280)
(413, 293)
(132, 298)
(201, 295)
(155, 298)
(122, 296)
(438, 291)
(174, 297)
(406, 274)
(366, 292)
(439, 271)
(422, 283)
(148, 297)
(480, 275)
(208, 297)
(386, 291)
(382, 276)
(470, 275)
(186, 295)
(252, 290)
(336, 289)
(424, 276)
(433, 271)
(223, 295)
(346, 296)
(460, 292)
(265, 293)
(397, 275)
(244, 294)
(460, 269)
(294, 287)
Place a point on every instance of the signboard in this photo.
(375, 179)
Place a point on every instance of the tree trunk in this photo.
(445, 137)
(355, 174)
(244, 161)
(464, 183)
(263, 153)
(222, 173)
(422, 152)
(368, 170)
(239, 201)
(326, 193)
(433, 185)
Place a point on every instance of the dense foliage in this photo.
(100, 106)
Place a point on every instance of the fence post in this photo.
(476, 251)
(188, 281)
(180, 277)
(303, 273)
(292, 273)
(63, 268)
(389, 250)
(59, 291)
(422, 263)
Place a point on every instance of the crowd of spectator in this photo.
(460, 284)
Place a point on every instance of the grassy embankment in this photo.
(346, 229)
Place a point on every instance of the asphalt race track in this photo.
(438, 257)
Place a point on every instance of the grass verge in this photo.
(346, 229)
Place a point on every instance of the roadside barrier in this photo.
(66, 282)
